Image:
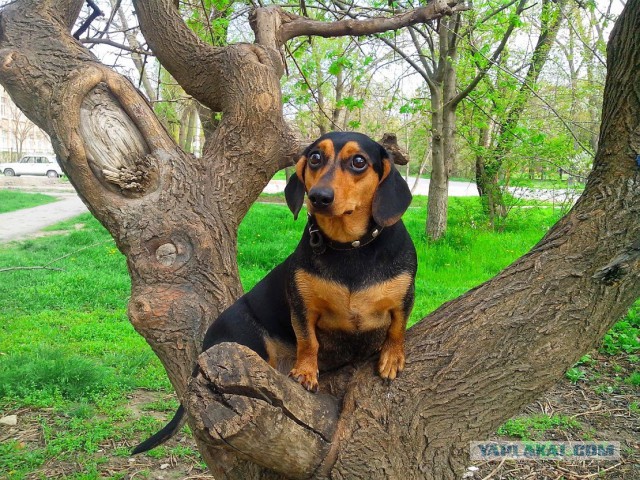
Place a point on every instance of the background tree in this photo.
(556, 132)
(20, 128)
(471, 364)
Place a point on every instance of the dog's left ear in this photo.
(294, 191)
(393, 197)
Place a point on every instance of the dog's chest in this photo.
(338, 307)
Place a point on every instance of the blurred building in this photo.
(18, 135)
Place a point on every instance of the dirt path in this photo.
(24, 223)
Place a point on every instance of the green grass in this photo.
(622, 341)
(470, 253)
(11, 200)
(625, 335)
(66, 343)
(575, 374)
(46, 374)
(280, 175)
(532, 427)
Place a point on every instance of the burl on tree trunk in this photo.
(470, 365)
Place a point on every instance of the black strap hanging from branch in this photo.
(95, 13)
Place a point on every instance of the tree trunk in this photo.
(188, 126)
(439, 181)
(323, 120)
(472, 364)
(339, 92)
(489, 189)
(443, 127)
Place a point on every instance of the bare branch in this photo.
(111, 43)
(95, 13)
(296, 26)
(423, 59)
(408, 59)
(586, 45)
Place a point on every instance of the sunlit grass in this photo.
(11, 200)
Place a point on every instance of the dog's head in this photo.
(347, 173)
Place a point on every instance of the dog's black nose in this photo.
(321, 197)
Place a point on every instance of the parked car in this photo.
(33, 165)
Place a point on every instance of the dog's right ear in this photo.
(393, 196)
(294, 191)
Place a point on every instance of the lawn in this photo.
(11, 200)
(86, 387)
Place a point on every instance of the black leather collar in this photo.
(319, 242)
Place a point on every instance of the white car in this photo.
(33, 165)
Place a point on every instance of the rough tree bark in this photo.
(470, 365)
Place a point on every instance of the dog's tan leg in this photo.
(305, 370)
(392, 354)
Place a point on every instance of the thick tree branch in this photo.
(301, 26)
(192, 62)
(259, 413)
(289, 25)
(243, 82)
(67, 9)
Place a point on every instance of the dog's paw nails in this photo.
(308, 380)
(391, 363)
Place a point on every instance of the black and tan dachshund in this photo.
(348, 288)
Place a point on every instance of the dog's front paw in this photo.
(391, 360)
(307, 378)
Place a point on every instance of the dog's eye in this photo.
(359, 163)
(315, 159)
